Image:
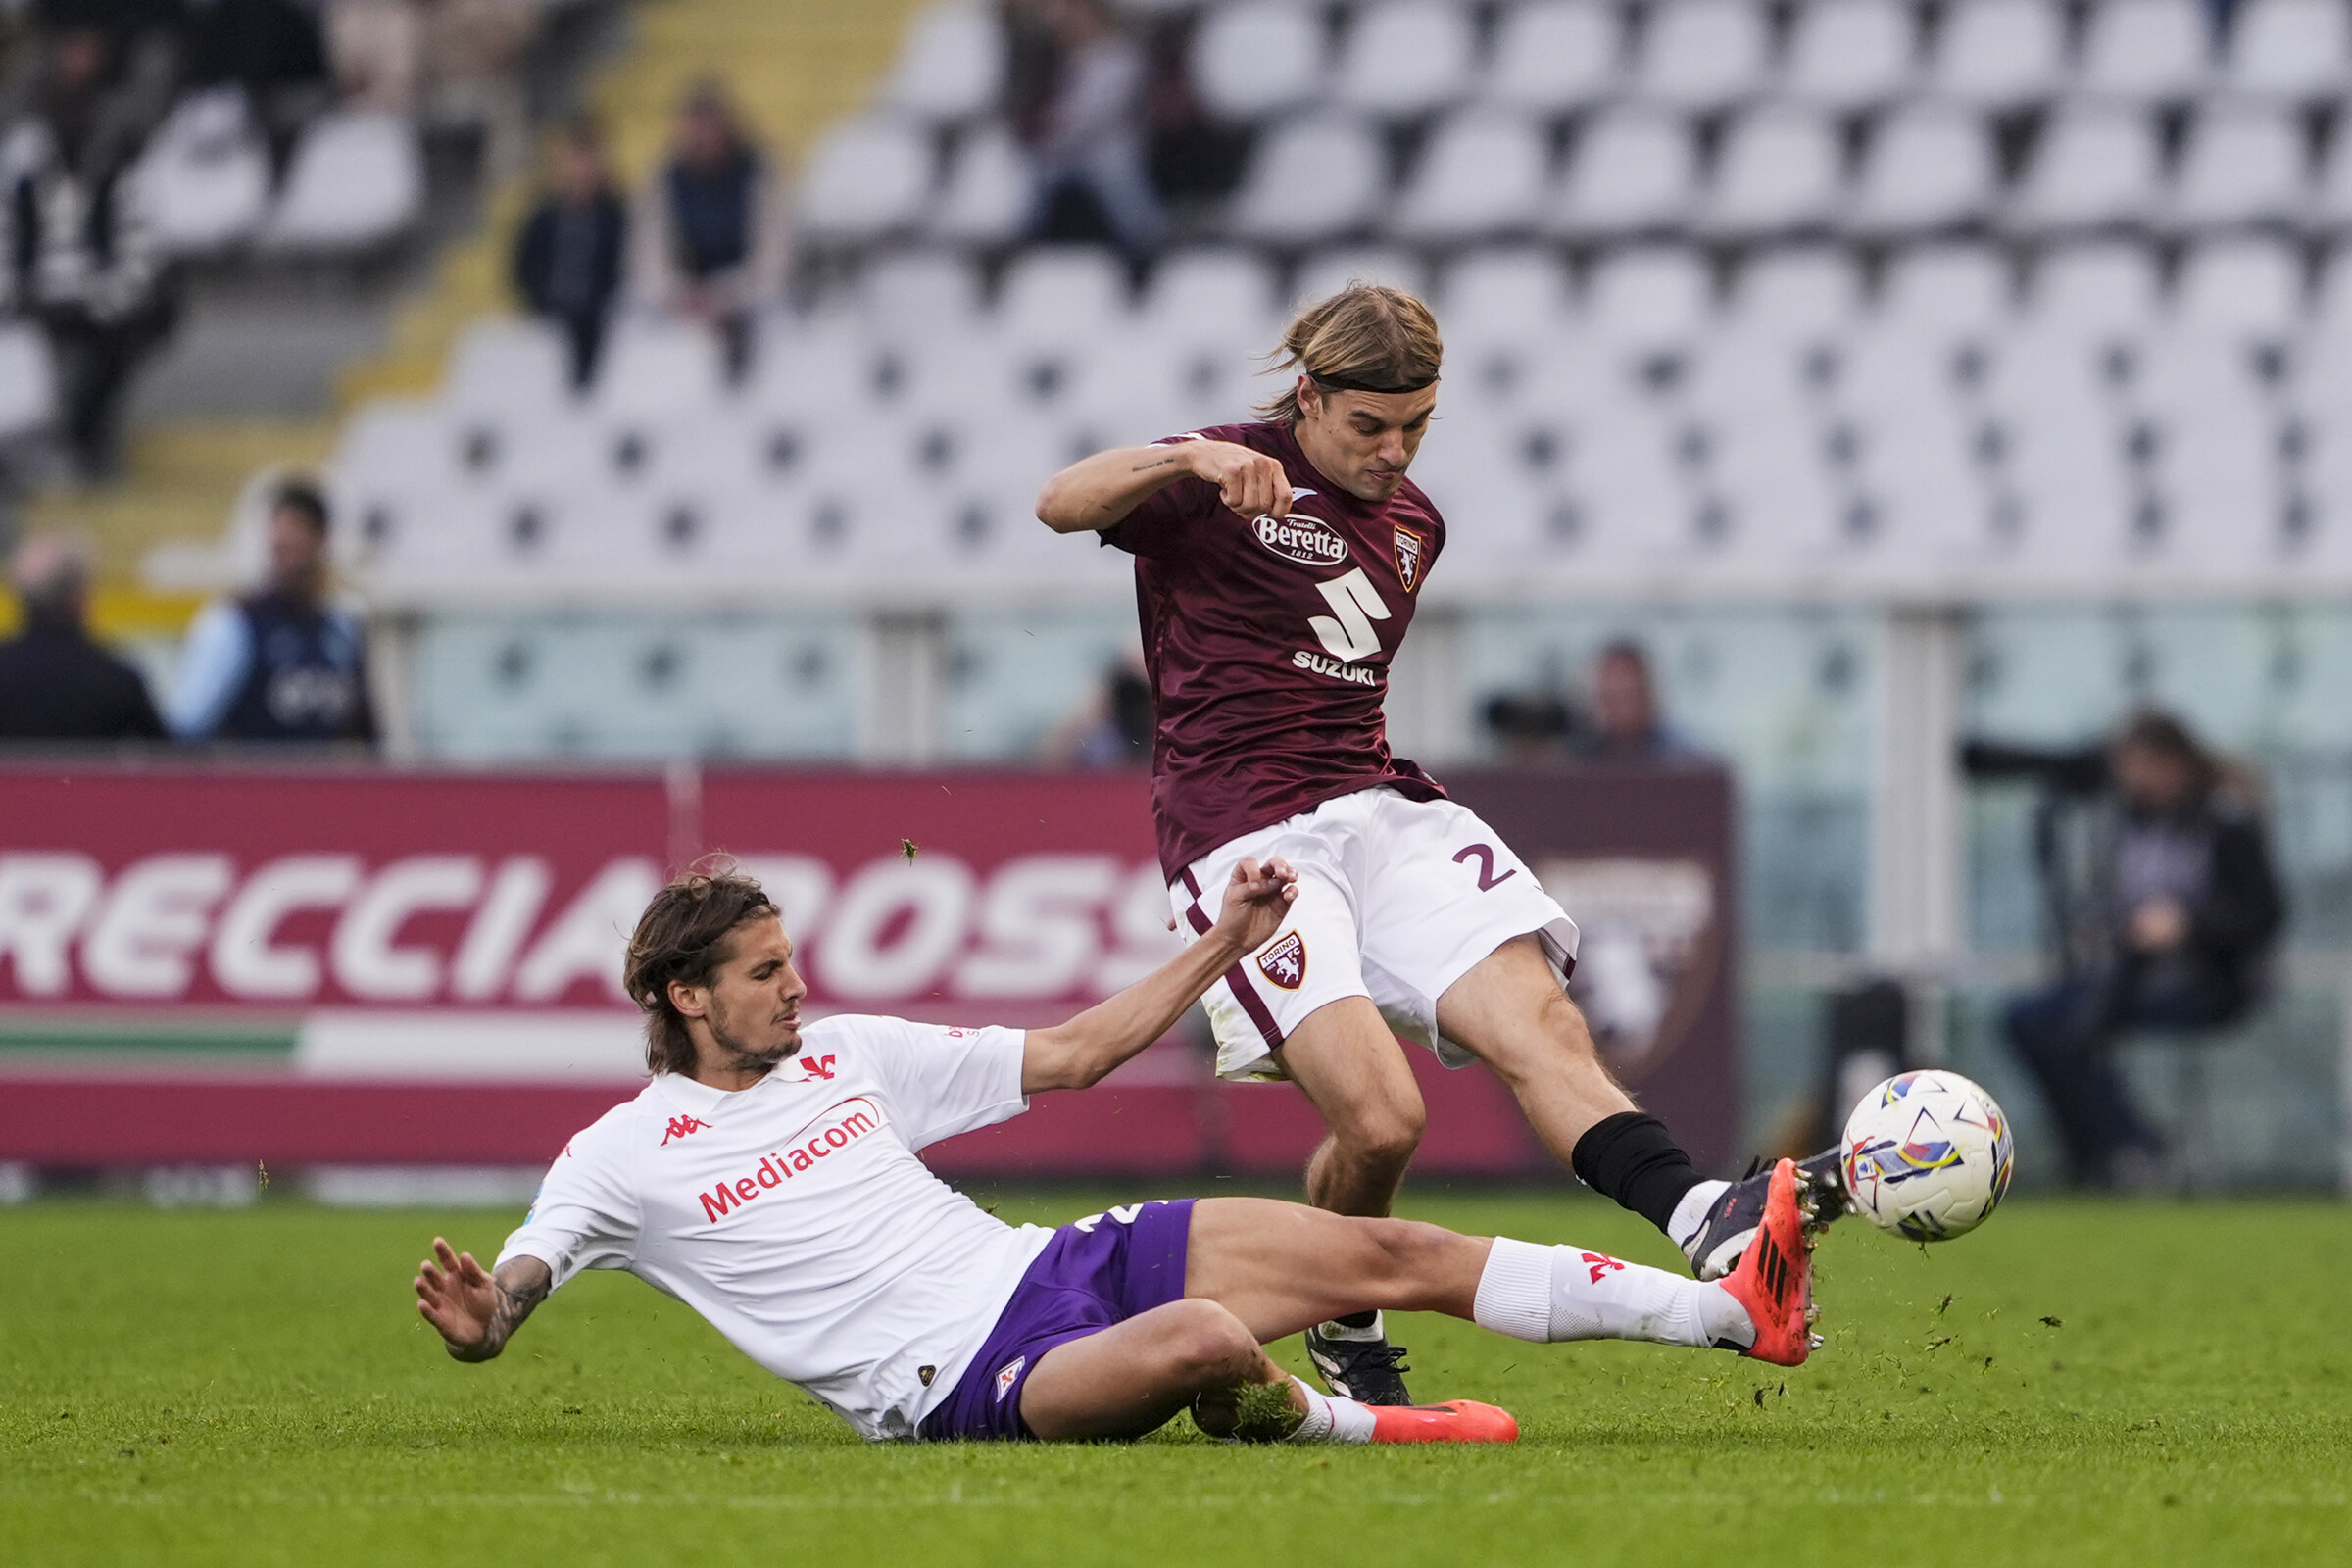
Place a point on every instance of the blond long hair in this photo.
(1367, 337)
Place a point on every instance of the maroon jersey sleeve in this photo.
(1170, 516)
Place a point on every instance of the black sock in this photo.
(1632, 1157)
(1358, 1320)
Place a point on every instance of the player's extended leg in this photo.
(1347, 1061)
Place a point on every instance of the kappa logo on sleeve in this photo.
(1408, 557)
(1008, 1375)
(1285, 961)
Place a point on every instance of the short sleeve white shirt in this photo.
(795, 1216)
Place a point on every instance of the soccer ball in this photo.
(1927, 1155)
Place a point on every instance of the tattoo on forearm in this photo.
(520, 1287)
(1146, 467)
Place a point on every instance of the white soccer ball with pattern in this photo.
(1927, 1155)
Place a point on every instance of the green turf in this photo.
(253, 1388)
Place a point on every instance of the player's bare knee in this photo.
(1209, 1348)
(1384, 1137)
(1407, 1252)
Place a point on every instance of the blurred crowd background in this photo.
(1938, 412)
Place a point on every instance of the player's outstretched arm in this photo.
(475, 1311)
(1097, 491)
(1077, 1053)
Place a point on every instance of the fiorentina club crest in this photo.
(1285, 962)
(1007, 1374)
(1408, 558)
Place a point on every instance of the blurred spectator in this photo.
(284, 663)
(75, 250)
(1086, 132)
(1530, 728)
(567, 259)
(271, 50)
(451, 61)
(1627, 725)
(1112, 727)
(56, 684)
(711, 242)
(2169, 929)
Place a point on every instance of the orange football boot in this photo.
(1774, 1281)
(1454, 1421)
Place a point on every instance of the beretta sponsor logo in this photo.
(1310, 541)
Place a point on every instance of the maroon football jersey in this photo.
(1268, 642)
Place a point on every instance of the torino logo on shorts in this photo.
(1285, 962)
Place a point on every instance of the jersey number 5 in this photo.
(1347, 634)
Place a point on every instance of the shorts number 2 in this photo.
(1484, 855)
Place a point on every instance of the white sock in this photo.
(1549, 1293)
(1691, 1210)
(1334, 1329)
(1331, 1419)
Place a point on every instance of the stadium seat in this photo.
(1250, 60)
(394, 460)
(910, 293)
(1498, 293)
(1482, 174)
(2095, 167)
(203, 178)
(1207, 292)
(2145, 51)
(1550, 56)
(1944, 290)
(1647, 295)
(2292, 49)
(1795, 294)
(1779, 172)
(1311, 179)
(2244, 164)
(950, 64)
(1632, 171)
(356, 180)
(503, 363)
(1405, 57)
(867, 179)
(27, 380)
(1060, 293)
(989, 187)
(2240, 287)
(658, 369)
(1999, 54)
(1702, 54)
(1327, 271)
(1850, 54)
(1930, 167)
(2101, 289)
(2330, 207)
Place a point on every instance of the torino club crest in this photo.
(1284, 962)
(1651, 942)
(1408, 558)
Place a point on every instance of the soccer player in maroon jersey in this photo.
(1277, 568)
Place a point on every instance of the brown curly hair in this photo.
(682, 938)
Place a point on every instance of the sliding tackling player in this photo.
(1277, 568)
(768, 1178)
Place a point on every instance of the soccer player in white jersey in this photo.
(1277, 568)
(768, 1178)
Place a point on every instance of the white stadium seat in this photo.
(1311, 179)
(27, 380)
(1797, 294)
(2095, 167)
(203, 178)
(502, 362)
(656, 370)
(1326, 272)
(2290, 49)
(1553, 54)
(989, 189)
(1495, 295)
(356, 180)
(867, 180)
(1482, 173)
(1779, 170)
(2243, 286)
(1250, 59)
(1930, 167)
(2145, 49)
(2099, 289)
(2330, 204)
(1631, 171)
(1646, 296)
(1206, 291)
(951, 65)
(919, 293)
(1702, 54)
(1999, 54)
(1063, 295)
(1849, 54)
(1405, 57)
(1944, 290)
(2244, 164)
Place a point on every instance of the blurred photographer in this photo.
(2165, 908)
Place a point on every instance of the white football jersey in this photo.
(795, 1216)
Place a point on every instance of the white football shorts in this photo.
(1398, 900)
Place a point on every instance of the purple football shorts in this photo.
(1100, 1270)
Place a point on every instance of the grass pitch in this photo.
(2106, 1384)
